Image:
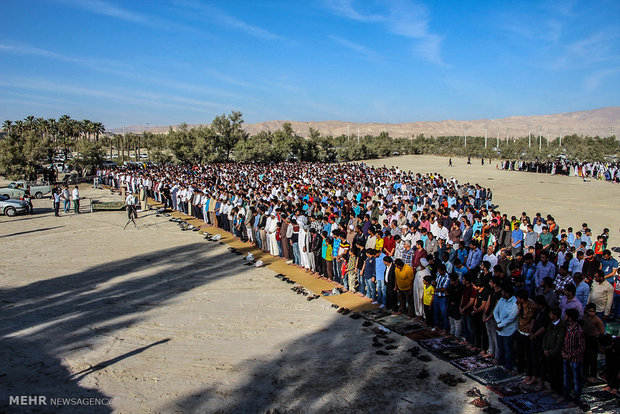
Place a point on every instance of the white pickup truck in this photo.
(17, 188)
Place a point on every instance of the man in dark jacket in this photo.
(553, 341)
(391, 301)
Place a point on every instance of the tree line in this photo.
(30, 143)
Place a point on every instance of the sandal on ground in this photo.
(480, 402)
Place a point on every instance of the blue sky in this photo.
(164, 62)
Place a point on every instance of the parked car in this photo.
(16, 189)
(59, 166)
(10, 207)
(107, 164)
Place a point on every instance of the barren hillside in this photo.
(601, 122)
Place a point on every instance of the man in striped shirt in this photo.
(572, 353)
(440, 303)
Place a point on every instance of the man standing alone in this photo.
(76, 200)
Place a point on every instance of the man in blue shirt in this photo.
(528, 271)
(517, 240)
(368, 272)
(506, 314)
(583, 289)
(380, 276)
(474, 258)
(609, 266)
(544, 269)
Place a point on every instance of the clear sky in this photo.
(164, 62)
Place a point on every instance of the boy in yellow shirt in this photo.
(429, 295)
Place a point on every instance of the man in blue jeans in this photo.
(440, 302)
(380, 275)
(506, 314)
(369, 275)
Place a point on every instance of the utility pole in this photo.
(539, 138)
(529, 134)
(358, 133)
(465, 134)
(560, 137)
(486, 135)
(348, 137)
(497, 138)
(123, 145)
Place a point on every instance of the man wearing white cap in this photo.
(418, 287)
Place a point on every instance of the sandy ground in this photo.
(159, 320)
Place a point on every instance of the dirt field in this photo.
(158, 320)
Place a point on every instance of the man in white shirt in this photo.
(490, 257)
(76, 200)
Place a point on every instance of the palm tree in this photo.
(7, 126)
(19, 127)
(86, 128)
(52, 127)
(98, 129)
(30, 122)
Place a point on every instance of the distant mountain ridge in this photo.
(602, 122)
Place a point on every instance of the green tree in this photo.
(228, 129)
(21, 155)
(91, 156)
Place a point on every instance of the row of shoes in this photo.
(299, 290)
(284, 279)
(213, 237)
(344, 311)
(235, 251)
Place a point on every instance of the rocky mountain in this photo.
(602, 122)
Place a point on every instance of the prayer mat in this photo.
(535, 402)
(375, 314)
(596, 397)
(473, 363)
(510, 387)
(612, 328)
(393, 320)
(422, 334)
(408, 327)
(452, 353)
(611, 408)
(437, 344)
(491, 375)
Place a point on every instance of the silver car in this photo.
(10, 207)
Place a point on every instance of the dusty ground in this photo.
(159, 320)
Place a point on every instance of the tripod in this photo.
(131, 214)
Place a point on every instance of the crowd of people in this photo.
(607, 171)
(532, 295)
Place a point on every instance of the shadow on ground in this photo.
(47, 319)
